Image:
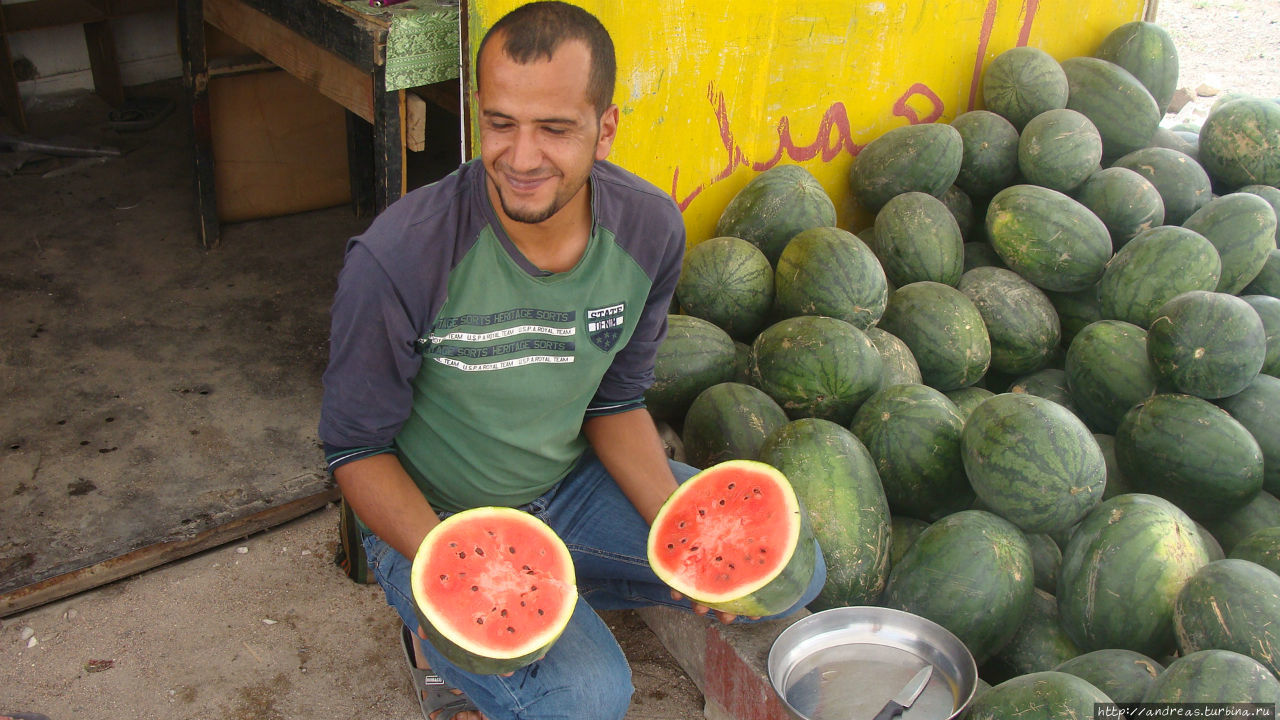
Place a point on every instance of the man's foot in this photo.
(439, 701)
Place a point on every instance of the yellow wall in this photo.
(714, 91)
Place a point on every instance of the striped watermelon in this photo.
(1117, 103)
(1121, 572)
(729, 421)
(1048, 238)
(836, 481)
(1123, 675)
(1039, 645)
(1261, 512)
(1108, 372)
(1033, 462)
(1261, 547)
(1183, 185)
(1047, 695)
(1148, 52)
(970, 572)
(915, 158)
(899, 364)
(918, 239)
(1256, 408)
(1214, 676)
(1154, 267)
(989, 161)
(944, 331)
(1126, 202)
(1207, 344)
(1022, 82)
(728, 282)
(1059, 149)
(829, 271)
(774, 206)
(1020, 320)
(913, 434)
(816, 366)
(1268, 309)
(694, 356)
(1268, 280)
(1242, 226)
(1240, 143)
(1190, 452)
(1230, 604)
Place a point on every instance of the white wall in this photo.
(146, 46)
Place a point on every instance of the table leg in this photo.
(388, 141)
(195, 73)
(103, 62)
(10, 99)
(360, 165)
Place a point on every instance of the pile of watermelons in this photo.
(1037, 401)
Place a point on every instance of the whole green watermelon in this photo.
(1183, 185)
(1268, 280)
(944, 330)
(989, 160)
(1022, 82)
(728, 282)
(1020, 320)
(1059, 149)
(1153, 268)
(918, 239)
(900, 365)
(694, 356)
(1108, 372)
(1148, 52)
(1214, 676)
(729, 421)
(1207, 344)
(1190, 452)
(1124, 201)
(1268, 309)
(1242, 227)
(1121, 572)
(816, 366)
(1047, 695)
(1048, 238)
(1240, 143)
(774, 206)
(829, 271)
(1032, 462)
(1257, 408)
(1046, 557)
(970, 572)
(1261, 547)
(913, 434)
(1260, 513)
(836, 481)
(915, 158)
(1117, 103)
(1229, 604)
(1123, 675)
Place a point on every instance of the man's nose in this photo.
(525, 156)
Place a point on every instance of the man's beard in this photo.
(531, 216)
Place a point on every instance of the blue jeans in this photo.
(585, 674)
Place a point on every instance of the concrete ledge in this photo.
(728, 663)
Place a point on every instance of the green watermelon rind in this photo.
(774, 206)
(728, 282)
(917, 239)
(816, 366)
(1046, 695)
(1256, 408)
(694, 355)
(1242, 228)
(1021, 321)
(944, 331)
(1059, 149)
(1022, 82)
(829, 271)
(1154, 267)
(924, 158)
(1214, 676)
(990, 153)
(1126, 202)
(1240, 143)
(729, 421)
(1108, 372)
(1149, 53)
(1118, 104)
(1183, 185)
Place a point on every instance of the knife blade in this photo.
(906, 695)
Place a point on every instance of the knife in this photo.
(906, 695)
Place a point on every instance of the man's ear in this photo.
(608, 132)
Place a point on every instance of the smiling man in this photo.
(492, 338)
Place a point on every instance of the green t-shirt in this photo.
(506, 361)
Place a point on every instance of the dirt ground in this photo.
(266, 627)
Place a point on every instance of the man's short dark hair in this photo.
(535, 31)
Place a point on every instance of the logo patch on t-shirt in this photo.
(604, 325)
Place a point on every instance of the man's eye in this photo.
(555, 130)
(500, 125)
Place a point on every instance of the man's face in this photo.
(539, 133)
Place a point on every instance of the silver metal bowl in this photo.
(846, 663)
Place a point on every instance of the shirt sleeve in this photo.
(631, 373)
(368, 391)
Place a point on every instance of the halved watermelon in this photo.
(494, 587)
(735, 538)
